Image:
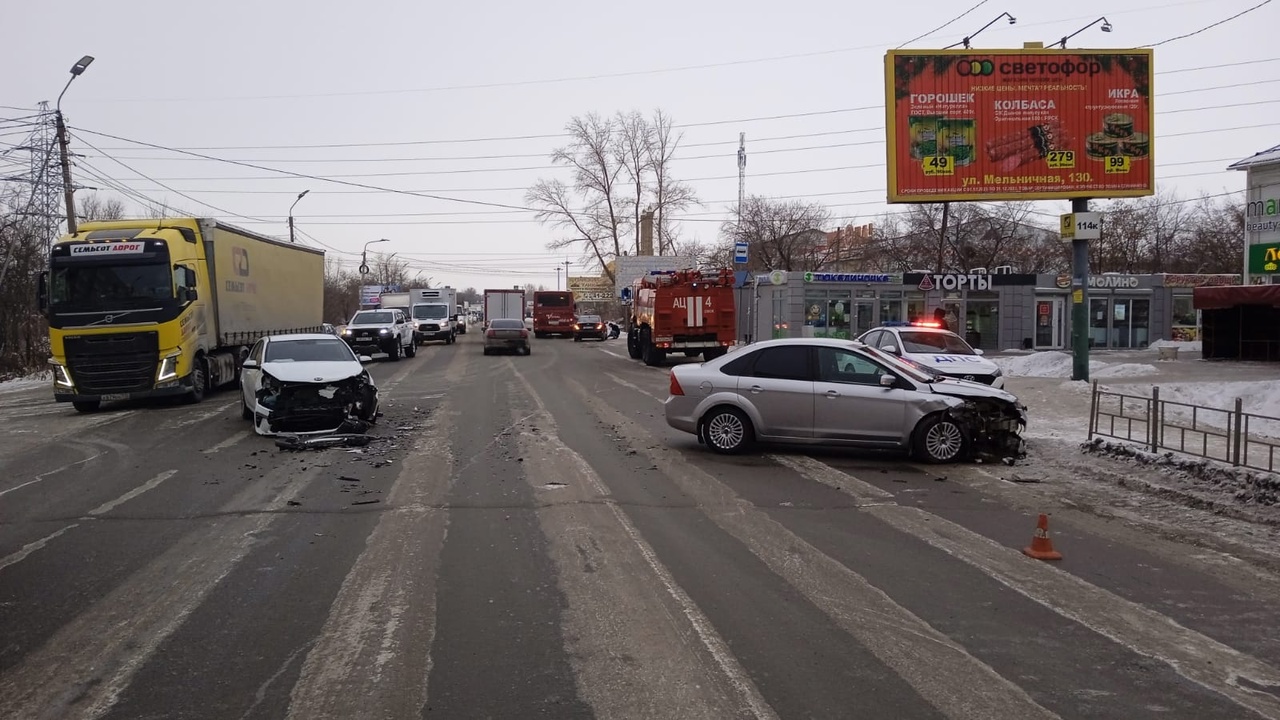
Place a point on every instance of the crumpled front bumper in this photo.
(344, 406)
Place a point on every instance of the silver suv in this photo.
(381, 331)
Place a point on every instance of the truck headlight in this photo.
(383, 331)
(168, 368)
(61, 377)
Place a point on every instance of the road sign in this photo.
(740, 253)
(1082, 226)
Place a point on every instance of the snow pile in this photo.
(1204, 483)
(39, 379)
(1057, 364)
(1258, 398)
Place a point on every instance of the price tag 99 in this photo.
(1117, 164)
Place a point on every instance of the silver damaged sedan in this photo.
(826, 391)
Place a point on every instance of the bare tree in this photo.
(669, 195)
(95, 207)
(783, 234)
(620, 166)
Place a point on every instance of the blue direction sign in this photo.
(740, 253)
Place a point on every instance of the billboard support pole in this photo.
(1080, 299)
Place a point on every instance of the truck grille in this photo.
(102, 364)
(429, 327)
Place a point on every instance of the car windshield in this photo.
(934, 342)
(371, 318)
(589, 320)
(910, 369)
(430, 312)
(317, 350)
(507, 324)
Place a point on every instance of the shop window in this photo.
(982, 324)
(1186, 320)
(1098, 322)
(916, 307)
(828, 314)
(781, 326)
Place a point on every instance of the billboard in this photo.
(629, 268)
(1026, 124)
(587, 288)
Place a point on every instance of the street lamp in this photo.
(291, 207)
(1106, 27)
(557, 277)
(364, 255)
(68, 195)
(1012, 21)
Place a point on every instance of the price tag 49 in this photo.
(1117, 164)
(939, 165)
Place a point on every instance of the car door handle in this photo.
(832, 394)
(756, 389)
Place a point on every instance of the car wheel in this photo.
(940, 439)
(393, 352)
(486, 351)
(577, 338)
(245, 412)
(411, 350)
(727, 431)
(528, 350)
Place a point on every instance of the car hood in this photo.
(955, 364)
(369, 326)
(966, 389)
(312, 371)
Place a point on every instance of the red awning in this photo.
(1218, 298)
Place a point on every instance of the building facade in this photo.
(992, 311)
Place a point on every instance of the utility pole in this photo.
(566, 275)
(295, 203)
(44, 176)
(558, 277)
(1079, 299)
(68, 191)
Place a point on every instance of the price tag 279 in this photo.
(1060, 159)
(939, 165)
(1117, 164)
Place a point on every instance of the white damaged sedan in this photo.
(306, 384)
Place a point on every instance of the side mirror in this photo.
(888, 381)
(192, 295)
(976, 351)
(249, 365)
(891, 349)
(42, 291)
(365, 359)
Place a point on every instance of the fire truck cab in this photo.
(683, 311)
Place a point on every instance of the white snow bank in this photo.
(39, 379)
(1057, 364)
(1258, 398)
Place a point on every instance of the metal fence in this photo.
(1232, 436)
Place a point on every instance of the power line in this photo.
(552, 136)
(287, 174)
(944, 25)
(1210, 27)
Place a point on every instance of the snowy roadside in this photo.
(35, 380)
(1058, 412)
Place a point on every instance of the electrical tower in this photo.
(45, 209)
(742, 170)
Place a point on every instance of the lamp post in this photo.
(557, 277)
(291, 207)
(1106, 27)
(68, 194)
(364, 255)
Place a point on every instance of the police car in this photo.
(930, 345)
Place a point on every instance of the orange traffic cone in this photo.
(1041, 546)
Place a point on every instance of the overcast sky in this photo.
(252, 81)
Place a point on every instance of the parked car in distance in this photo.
(306, 384)
(329, 329)
(937, 349)
(385, 331)
(588, 326)
(507, 334)
(827, 391)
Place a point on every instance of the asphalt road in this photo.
(526, 538)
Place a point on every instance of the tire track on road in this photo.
(640, 646)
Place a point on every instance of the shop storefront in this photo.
(1125, 311)
(993, 312)
(987, 309)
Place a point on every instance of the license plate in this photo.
(115, 396)
(555, 322)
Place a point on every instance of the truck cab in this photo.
(432, 321)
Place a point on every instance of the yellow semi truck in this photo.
(147, 308)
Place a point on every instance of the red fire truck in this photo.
(686, 311)
(553, 313)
